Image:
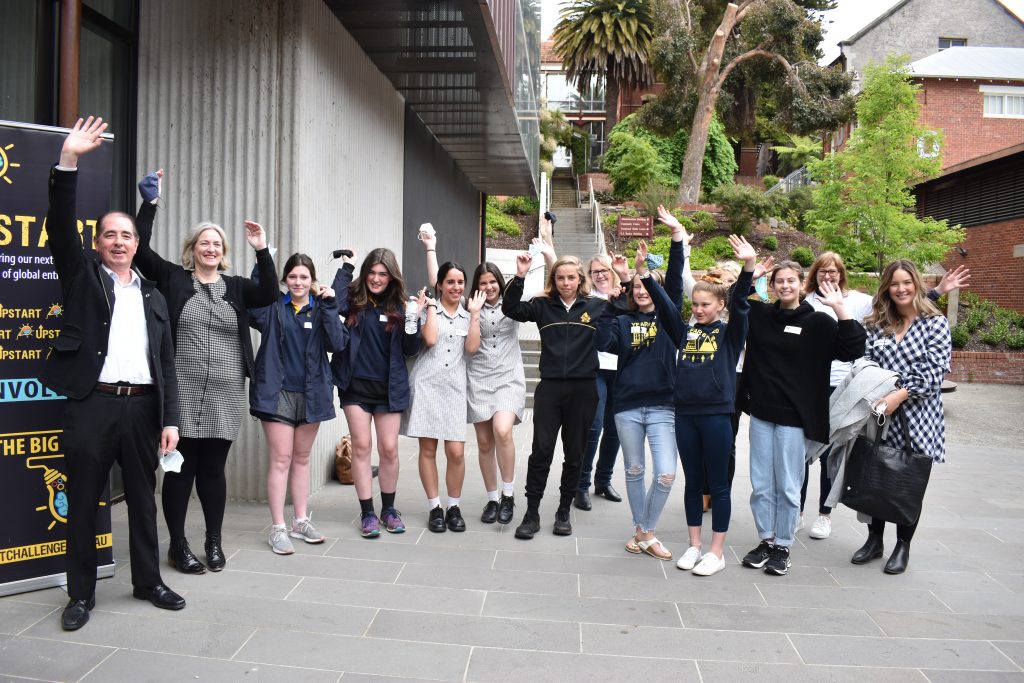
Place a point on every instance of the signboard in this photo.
(630, 226)
(33, 480)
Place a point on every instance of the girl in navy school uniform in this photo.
(291, 391)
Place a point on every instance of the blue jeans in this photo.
(657, 425)
(776, 474)
(604, 419)
(705, 442)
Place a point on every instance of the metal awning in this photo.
(445, 57)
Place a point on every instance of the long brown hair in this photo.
(883, 311)
(393, 298)
(655, 275)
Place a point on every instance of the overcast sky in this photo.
(842, 22)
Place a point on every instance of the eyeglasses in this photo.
(832, 271)
(595, 273)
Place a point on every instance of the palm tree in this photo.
(800, 150)
(610, 38)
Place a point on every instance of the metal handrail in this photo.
(797, 178)
(575, 178)
(595, 218)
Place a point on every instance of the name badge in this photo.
(792, 329)
(308, 325)
(383, 318)
(462, 333)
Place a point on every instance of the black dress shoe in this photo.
(563, 527)
(161, 596)
(529, 526)
(897, 563)
(871, 550)
(76, 613)
(608, 492)
(506, 506)
(436, 521)
(490, 514)
(181, 557)
(453, 518)
(582, 500)
(215, 559)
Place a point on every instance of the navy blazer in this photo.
(402, 345)
(76, 356)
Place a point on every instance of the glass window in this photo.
(951, 42)
(26, 67)
(118, 11)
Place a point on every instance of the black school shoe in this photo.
(506, 506)
(454, 519)
(563, 527)
(436, 521)
(490, 513)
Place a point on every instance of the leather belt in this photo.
(124, 389)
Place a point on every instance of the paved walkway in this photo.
(484, 606)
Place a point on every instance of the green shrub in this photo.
(960, 335)
(995, 335)
(655, 195)
(1010, 317)
(521, 206)
(701, 260)
(703, 221)
(863, 282)
(770, 181)
(799, 201)
(500, 222)
(717, 248)
(632, 164)
(662, 230)
(771, 242)
(1015, 339)
(743, 205)
(803, 256)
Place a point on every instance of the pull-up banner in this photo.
(33, 479)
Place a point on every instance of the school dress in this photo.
(437, 383)
(496, 380)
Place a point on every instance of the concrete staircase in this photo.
(531, 364)
(574, 233)
(563, 190)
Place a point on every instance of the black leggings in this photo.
(903, 533)
(204, 466)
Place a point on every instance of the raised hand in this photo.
(958, 278)
(149, 186)
(620, 264)
(678, 231)
(83, 138)
(422, 300)
(542, 246)
(763, 267)
(428, 237)
(640, 262)
(325, 292)
(523, 262)
(476, 302)
(255, 235)
(743, 250)
(544, 230)
(830, 295)
(350, 259)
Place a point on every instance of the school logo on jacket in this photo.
(700, 345)
(585, 318)
(642, 334)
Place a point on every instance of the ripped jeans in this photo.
(657, 426)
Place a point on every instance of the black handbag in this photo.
(884, 482)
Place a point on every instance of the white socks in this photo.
(493, 496)
(452, 502)
(433, 503)
(508, 487)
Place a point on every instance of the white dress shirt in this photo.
(128, 346)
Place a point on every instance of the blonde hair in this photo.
(718, 289)
(188, 261)
(811, 285)
(582, 289)
(883, 311)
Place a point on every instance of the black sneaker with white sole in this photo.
(778, 563)
(758, 557)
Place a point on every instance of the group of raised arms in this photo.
(619, 368)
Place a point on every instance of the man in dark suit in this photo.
(114, 362)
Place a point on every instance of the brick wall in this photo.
(956, 108)
(987, 367)
(995, 272)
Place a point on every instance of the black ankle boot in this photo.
(897, 563)
(181, 558)
(215, 559)
(871, 550)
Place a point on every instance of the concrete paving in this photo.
(482, 606)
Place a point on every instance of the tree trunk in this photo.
(707, 98)
(611, 101)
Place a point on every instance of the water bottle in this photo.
(411, 315)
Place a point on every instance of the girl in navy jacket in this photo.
(705, 393)
(291, 392)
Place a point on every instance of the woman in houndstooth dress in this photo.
(495, 387)
(908, 335)
(213, 355)
(437, 383)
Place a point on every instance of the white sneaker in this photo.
(709, 564)
(822, 527)
(799, 524)
(690, 558)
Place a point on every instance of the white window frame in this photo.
(1004, 91)
(962, 42)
